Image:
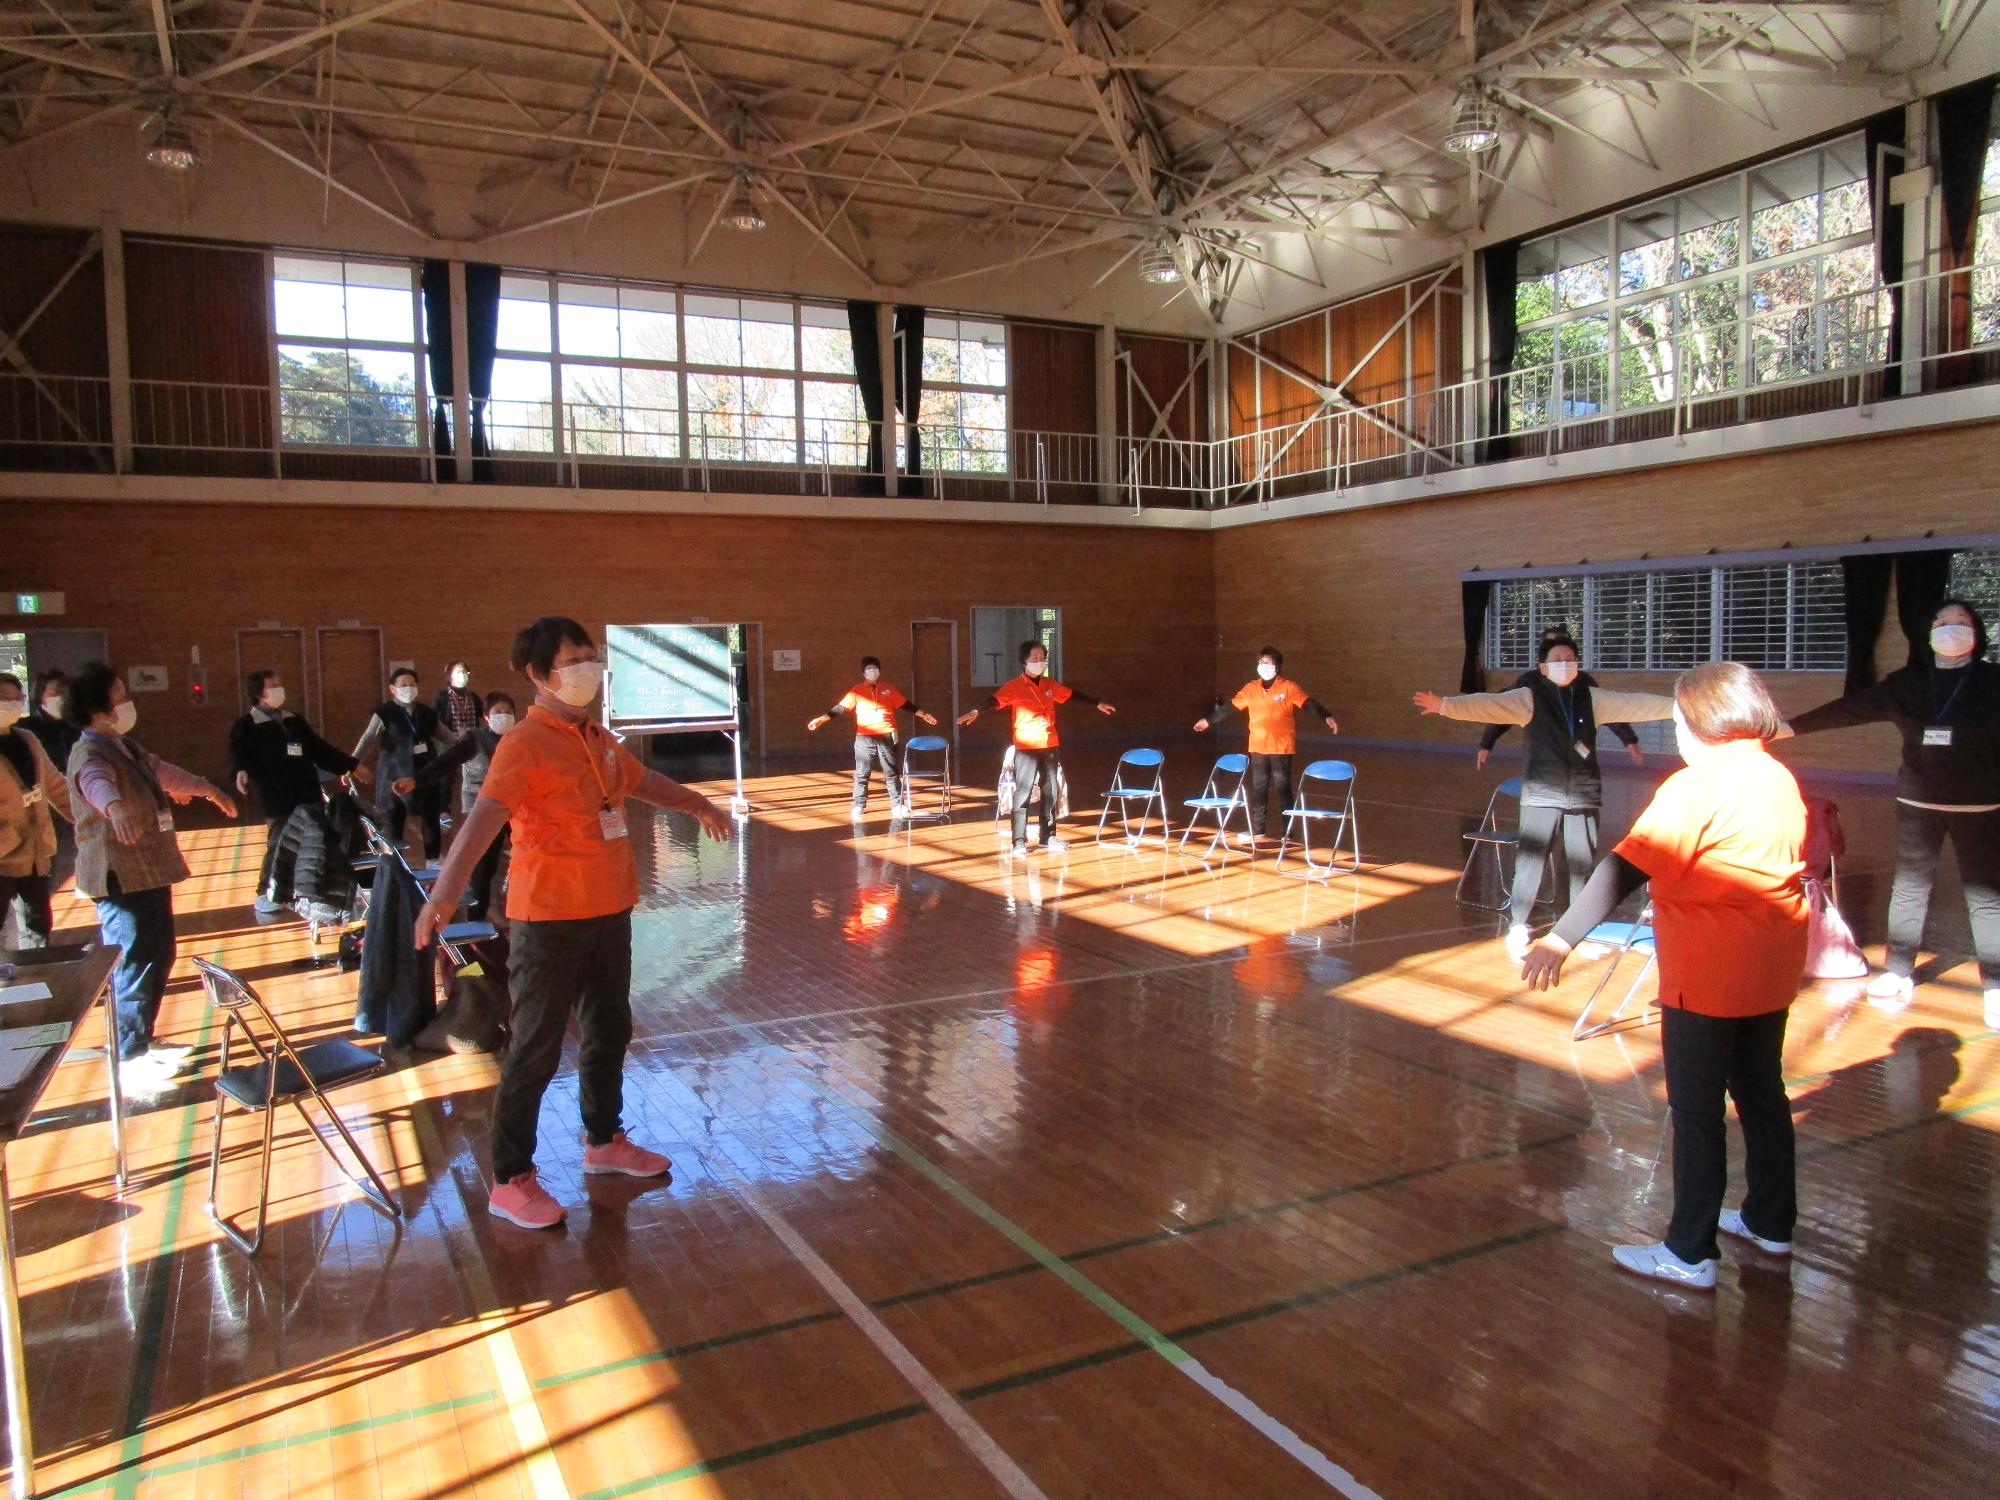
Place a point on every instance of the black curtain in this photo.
(1886, 129)
(910, 387)
(482, 334)
(437, 332)
(1865, 578)
(1922, 581)
(868, 375)
(1474, 594)
(1964, 126)
(1501, 269)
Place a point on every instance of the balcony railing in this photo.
(1769, 363)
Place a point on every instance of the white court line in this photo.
(978, 1441)
(657, 1038)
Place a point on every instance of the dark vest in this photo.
(404, 729)
(1557, 775)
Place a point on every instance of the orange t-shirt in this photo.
(1273, 711)
(1034, 704)
(554, 777)
(1722, 844)
(874, 705)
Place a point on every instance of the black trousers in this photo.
(1538, 830)
(870, 751)
(555, 968)
(1031, 766)
(275, 819)
(480, 888)
(1706, 1057)
(27, 896)
(1268, 773)
(399, 814)
(1920, 836)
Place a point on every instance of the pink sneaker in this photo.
(523, 1202)
(619, 1155)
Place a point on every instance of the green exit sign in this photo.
(27, 604)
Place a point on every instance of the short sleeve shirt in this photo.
(1034, 707)
(1722, 844)
(874, 705)
(555, 777)
(1273, 711)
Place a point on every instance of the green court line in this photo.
(273, 1445)
(771, 1449)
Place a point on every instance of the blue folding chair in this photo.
(1624, 938)
(1339, 811)
(1122, 794)
(1489, 835)
(940, 777)
(1228, 772)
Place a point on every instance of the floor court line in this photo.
(720, 1027)
(977, 1440)
(1288, 1441)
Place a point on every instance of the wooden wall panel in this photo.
(1365, 603)
(1160, 368)
(198, 312)
(1137, 605)
(1053, 377)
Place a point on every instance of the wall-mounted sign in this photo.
(784, 661)
(146, 679)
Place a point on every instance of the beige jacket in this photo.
(27, 828)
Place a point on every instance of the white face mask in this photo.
(871, 674)
(461, 679)
(54, 704)
(274, 698)
(500, 723)
(1561, 673)
(1953, 640)
(1685, 741)
(577, 683)
(1035, 668)
(124, 717)
(11, 712)
(1267, 671)
(406, 692)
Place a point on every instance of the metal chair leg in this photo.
(379, 1193)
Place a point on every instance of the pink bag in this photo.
(1831, 952)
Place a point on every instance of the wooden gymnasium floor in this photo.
(1116, 1176)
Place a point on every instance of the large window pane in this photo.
(1646, 353)
(587, 320)
(524, 315)
(520, 415)
(827, 344)
(836, 430)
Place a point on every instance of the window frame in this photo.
(960, 388)
(418, 349)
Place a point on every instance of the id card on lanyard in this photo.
(1570, 720)
(1938, 736)
(610, 820)
(164, 809)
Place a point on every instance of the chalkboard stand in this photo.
(730, 729)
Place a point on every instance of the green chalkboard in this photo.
(664, 673)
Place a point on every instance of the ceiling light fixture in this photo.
(1475, 124)
(743, 213)
(173, 147)
(1156, 263)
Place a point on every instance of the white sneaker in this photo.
(1019, 851)
(1055, 846)
(857, 814)
(169, 1059)
(1519, 940)
(1993, 1009)
(1731, 1223)
(899, 810)
(142, 1078)
(1246, 841)
(1662, 1264)
(1890, 993)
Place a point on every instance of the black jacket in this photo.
(58, 736)
(283, 758)
(1965, 700)
(474, 751)
(1627, 735)
(409, 736)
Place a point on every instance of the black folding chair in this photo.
(281, 1074)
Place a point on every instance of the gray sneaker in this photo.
(1660, 1263)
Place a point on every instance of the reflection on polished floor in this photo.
(1111, 1174)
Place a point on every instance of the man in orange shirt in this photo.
(559, 781)
(1033, 701)
(1272, 701)
(873, 703)
(1722, 846)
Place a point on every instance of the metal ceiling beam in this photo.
(163, 34)
(314, 171)
(696, 116)
(76, 59)
(302, 39)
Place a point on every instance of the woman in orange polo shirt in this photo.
(874, 705)
(1033, 699)
(1722, 844)
(558, 782)
(1273, 703)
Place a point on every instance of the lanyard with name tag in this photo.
(610, 820)
(31, 796)
(295, 749)
(1938, 738)
(166, 821)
